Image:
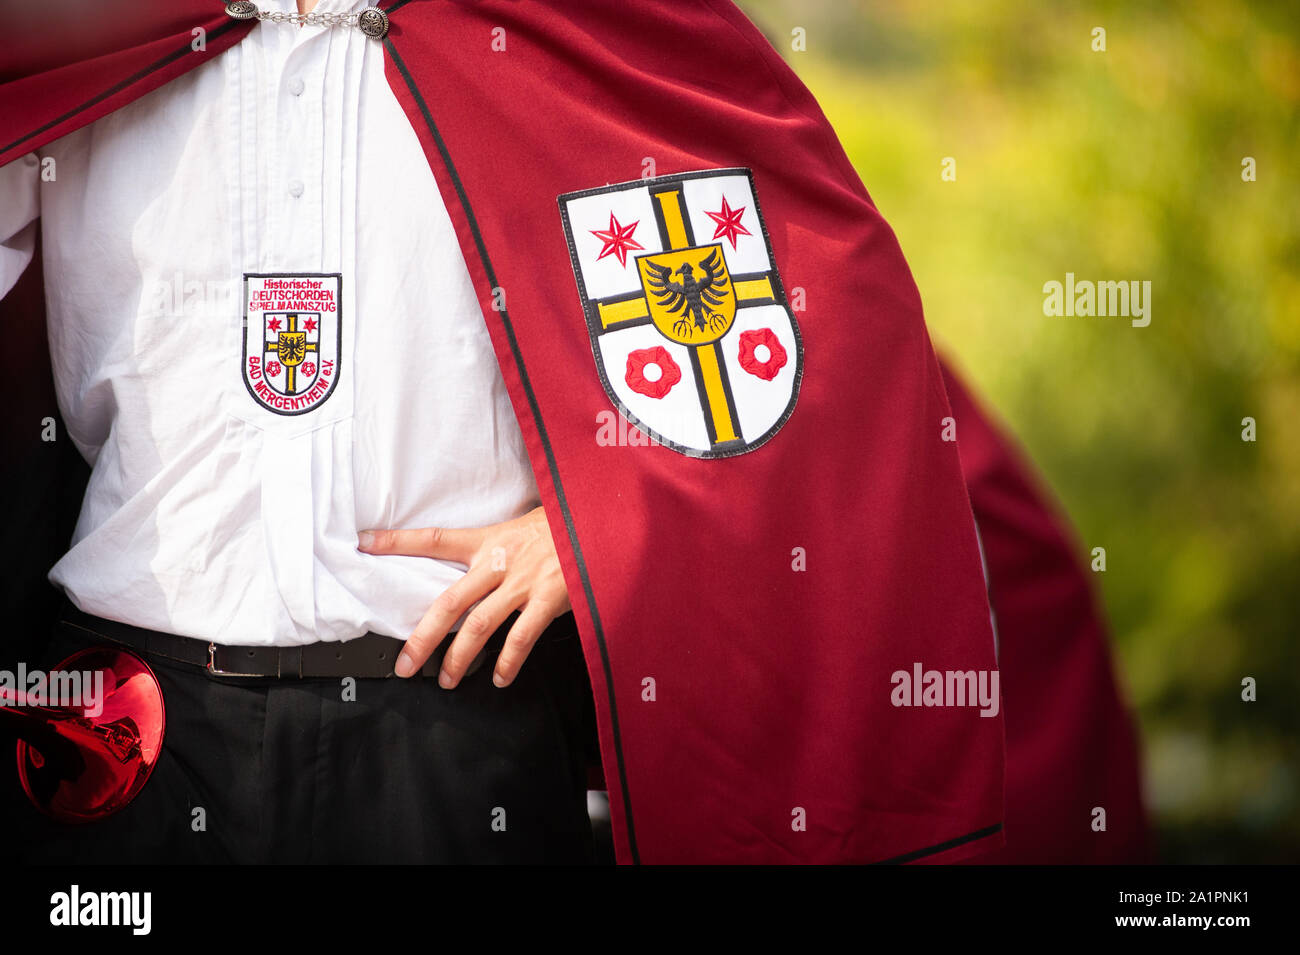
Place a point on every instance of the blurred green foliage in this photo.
(1122, 164)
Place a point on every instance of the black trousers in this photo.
(289, 771)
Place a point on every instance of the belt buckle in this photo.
(212, 665)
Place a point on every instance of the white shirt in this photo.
(208, 514)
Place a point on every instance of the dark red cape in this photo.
(1071, 744)
(773, 690)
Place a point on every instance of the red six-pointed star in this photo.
(728, 220)
(310, 324)
(273, 324)
(618, 239)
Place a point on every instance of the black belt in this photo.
(371, 655)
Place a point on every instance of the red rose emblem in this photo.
(273, 368)
(664, 372)
(309, 368)
(770, 362)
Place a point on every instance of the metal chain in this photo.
(313, 18)
(372, 21)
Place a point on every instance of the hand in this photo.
(511, 565)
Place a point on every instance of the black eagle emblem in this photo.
(293, 349)
(696, 299)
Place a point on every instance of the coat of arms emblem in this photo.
(693, 337)
(290, 362)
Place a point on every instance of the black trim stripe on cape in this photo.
(541, 430)
(118, 87)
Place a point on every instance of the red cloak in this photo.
(1071, 744)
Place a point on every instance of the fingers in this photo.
(482, 622)
(531, 624)
(442, 613)
(524, 571)
(448, 543)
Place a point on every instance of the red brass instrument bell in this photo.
(77, 767)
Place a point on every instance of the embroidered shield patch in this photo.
(693, 338)
(290, 361)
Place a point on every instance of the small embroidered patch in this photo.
(291, 360)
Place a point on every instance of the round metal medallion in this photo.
(242, 9)
(373, 22)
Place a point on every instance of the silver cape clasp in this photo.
(371, 21)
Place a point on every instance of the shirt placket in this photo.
(297, 199)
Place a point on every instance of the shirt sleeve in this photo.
(19, 209)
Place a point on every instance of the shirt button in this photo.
(296, 86)
(295, 188)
